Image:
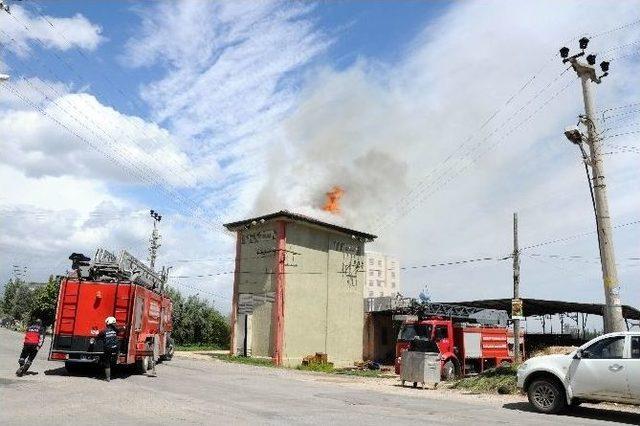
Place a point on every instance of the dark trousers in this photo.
(107, 359)
(28, 354)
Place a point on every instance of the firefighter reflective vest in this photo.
(110, 339)
(33, 335)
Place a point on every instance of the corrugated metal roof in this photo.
(532, 307)
(285, 214)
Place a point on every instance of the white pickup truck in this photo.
(605, 369)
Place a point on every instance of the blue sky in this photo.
(213, 111)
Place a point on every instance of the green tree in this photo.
(7, 297)
(21, 303)
(45, 299)
(195, 321)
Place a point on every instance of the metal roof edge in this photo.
(235, 226)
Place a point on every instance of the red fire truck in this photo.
(121, 287)
(465, 346)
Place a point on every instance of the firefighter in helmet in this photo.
(33, 340)
(110, 345)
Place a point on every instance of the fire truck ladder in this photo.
(445, 310)
(69, 312)
(406, 306)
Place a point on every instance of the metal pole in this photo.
(613, 320)
(152, 250)
(516, 289)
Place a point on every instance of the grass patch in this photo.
(263, 362)
(316, 366)
(326, 368)
(192, 348)
(500, 380)
(363, 373)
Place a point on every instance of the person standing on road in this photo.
(33, 340)
(110, 345)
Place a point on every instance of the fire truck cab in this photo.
(464, 348)
(121, 287)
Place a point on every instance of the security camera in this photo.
(591, 59)
(564, 52)
(573, 134)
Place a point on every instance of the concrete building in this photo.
(298, 289)
(383, 275)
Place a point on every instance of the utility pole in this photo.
(613, 319)
(516, 304)
(154, 241)
(4, 6)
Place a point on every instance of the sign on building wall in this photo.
(248, 302)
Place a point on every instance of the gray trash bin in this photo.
(420, 367)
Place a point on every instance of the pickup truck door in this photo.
(601, 373)
(633, 370)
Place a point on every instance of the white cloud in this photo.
(28, 29)
(109, 145)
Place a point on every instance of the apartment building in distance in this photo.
(382, 274)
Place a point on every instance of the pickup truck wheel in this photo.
(546, 396)
(449, 371)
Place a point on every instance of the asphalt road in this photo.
(212, 392)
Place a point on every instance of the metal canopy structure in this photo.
(539, 307)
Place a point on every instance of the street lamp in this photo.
(573, 134)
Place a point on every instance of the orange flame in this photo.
(332, 203)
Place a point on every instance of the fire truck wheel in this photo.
(169, 353)
(142, 365)
(449, 370)
(546, 396)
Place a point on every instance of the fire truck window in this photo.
(441, 332)
(409, 331)
(137, 325)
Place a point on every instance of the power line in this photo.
(622, 107)
(573, 256)
(615, 29)
(478, 155)
(422, 185)
(200, 290)
(621, 134)
(455, 262)
(573, 237)
(136, 102)
(114, 143)
(122, 162)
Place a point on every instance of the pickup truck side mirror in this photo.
(578, 354)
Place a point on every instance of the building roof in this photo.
(532, 307)
(295, 217)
